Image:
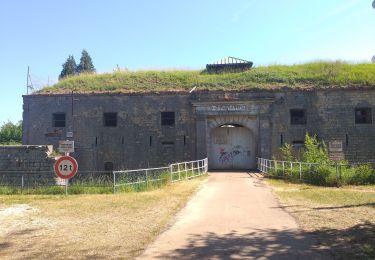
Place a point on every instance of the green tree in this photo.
(85, 64)
(11, 133)
(315, 151)
(287, 152)
(69, 67)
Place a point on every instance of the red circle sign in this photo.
(66, 167)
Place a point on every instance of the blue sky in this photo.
(168, 34)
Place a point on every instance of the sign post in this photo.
(65, 168)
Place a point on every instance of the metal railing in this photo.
(284, 167)
(334, 173)
(106, 181)
(157, 176)
(26, 180)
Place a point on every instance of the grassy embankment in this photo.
(303, 76)
(342, 218)
(87, 226)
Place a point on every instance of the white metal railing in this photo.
(172, 173)
(283, 168)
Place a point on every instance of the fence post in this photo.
(291, 168)
(185, 172)
(337, 173)
(263, 167)
(22, 183)
(275, 165)
(114, 182)
(300, 170)
(283, 168)
(146, 179)
(170, 170)
(66, 186)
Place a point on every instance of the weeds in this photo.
(316, 167)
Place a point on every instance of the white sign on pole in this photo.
(66, 146)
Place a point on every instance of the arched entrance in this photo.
(231, 146)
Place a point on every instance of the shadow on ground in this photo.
(355, 242)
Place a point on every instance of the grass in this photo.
(302, 76)
(89, 226)
(343, 218)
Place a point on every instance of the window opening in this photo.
(168, 118)
(363, 115)
(110, 119)
(297, 117)
(58, 120)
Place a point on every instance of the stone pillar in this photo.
(201, 124)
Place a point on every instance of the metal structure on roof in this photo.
(230, 60)
(229, 64)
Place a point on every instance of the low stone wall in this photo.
(29, 165)
(26, 158)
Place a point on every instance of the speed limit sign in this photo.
(66, 167)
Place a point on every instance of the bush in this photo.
(363, 174)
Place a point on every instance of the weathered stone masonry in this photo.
(139, 139)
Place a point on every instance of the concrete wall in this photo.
(330, 115)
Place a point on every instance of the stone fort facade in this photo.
(231, 128)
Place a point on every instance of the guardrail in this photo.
(157, 176)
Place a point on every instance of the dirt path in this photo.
(234, 216)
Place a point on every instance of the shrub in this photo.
(315, 151)
(363, 174)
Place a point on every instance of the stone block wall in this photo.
(139, 140)
(34, 158)
(33, 162)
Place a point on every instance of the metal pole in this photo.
(337, 173)
(146, 179)
(22, 184)
(179, 173)
(275, 167)
(114, 182)
(66, 187)
(300, 171)
(291, 168)
(283, 168)
(185, 171)
(170, 170)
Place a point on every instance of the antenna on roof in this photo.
(29, 83)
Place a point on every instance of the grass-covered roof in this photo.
(313, 75)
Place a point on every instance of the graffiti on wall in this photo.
(226, 157)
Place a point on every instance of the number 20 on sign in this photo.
(66, 167)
